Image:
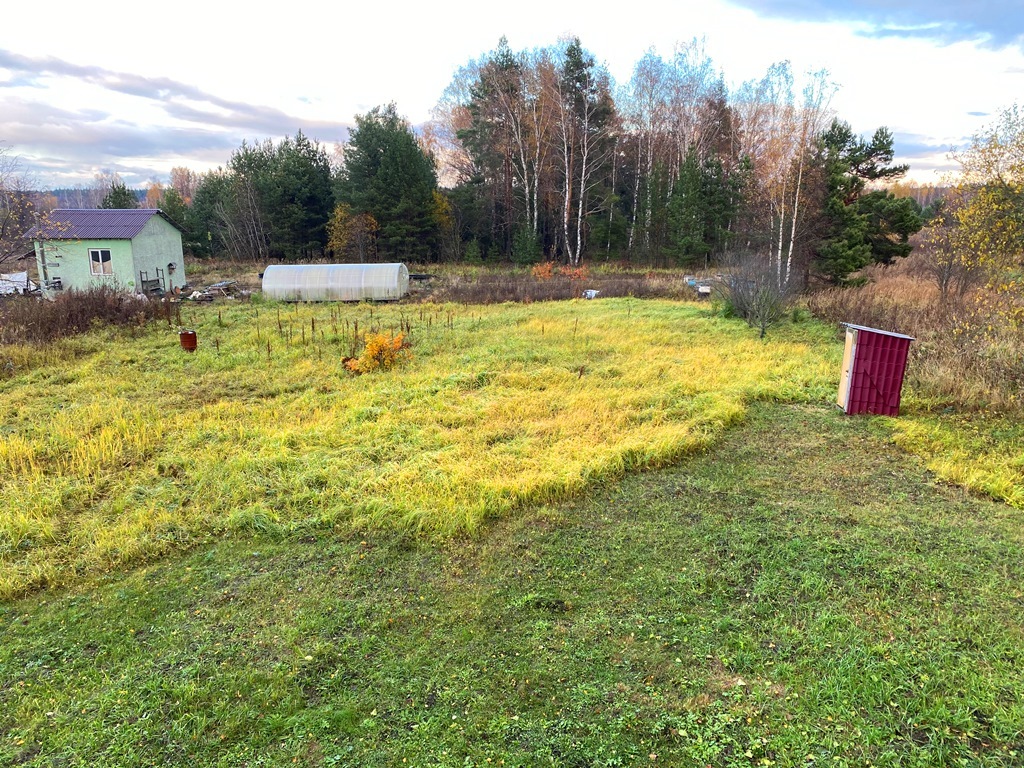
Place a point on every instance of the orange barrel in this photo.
(188, 340)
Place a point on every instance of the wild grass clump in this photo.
(36, 321)
(545, 282)
(136, 448)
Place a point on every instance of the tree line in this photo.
(546, 157)
(540, 155)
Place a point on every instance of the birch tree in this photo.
(646, 116)
(583, 140)
(778, 135)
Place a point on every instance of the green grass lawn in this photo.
(802, 593)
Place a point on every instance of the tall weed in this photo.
(34, 320)
(965, 356)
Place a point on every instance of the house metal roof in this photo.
(96, 223)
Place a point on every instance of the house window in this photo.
(99, 261)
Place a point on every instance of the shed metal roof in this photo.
(96, 223)
(877, 330)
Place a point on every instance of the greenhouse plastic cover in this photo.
(335, 282)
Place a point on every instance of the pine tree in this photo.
(861, 227)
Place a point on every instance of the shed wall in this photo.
(69, 261)
(157, 246)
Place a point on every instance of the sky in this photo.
(139, 89)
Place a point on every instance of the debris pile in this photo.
(226, 289)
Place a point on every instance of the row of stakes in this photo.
(285, 329)
(189, 340)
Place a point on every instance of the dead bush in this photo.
(31, 320)
(966, 355)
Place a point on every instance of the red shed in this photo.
(873, 367)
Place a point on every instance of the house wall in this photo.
(69, 260)
(157, 246)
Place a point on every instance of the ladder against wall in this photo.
(155, 286)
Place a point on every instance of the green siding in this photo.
(157, 246)
(69, 260)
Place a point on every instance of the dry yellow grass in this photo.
(136, 447)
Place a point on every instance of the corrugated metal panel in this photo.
(335, 282)
(95, 224)
(874, 365)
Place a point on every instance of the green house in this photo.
(136, 250)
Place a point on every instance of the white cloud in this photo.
(211, 74)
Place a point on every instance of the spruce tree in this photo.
(388, 176)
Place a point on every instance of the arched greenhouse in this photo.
(336, 282)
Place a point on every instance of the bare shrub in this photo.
(37, 321)
(754, 291)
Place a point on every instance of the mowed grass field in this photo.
(801, 594)
(456, 563)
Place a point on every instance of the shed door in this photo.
(847, 369)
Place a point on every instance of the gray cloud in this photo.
(994, 23)
(87, 139)
(921, 151)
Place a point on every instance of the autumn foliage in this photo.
(574, 273)
(543, 271)
(352, 236)
(546, 271)
(381, 352)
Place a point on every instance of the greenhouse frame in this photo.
(336, 282)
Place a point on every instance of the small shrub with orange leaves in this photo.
(544, 271)
(577, 273)
(381, 352)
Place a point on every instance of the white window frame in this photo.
(95, 263)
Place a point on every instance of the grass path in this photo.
(801, 592)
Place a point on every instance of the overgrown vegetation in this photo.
(29, 320)
(966, 355)
(136, 448)
(547, 283)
